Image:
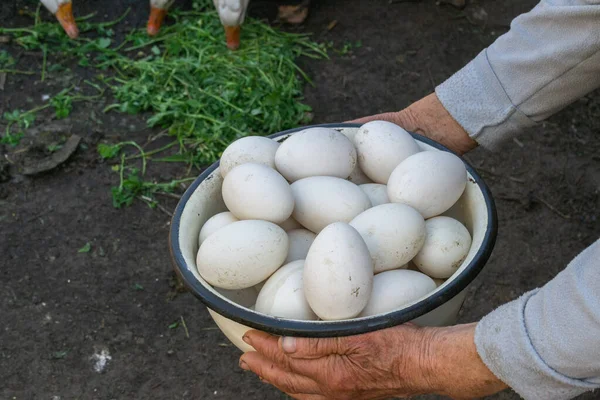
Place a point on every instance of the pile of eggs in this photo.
(332, 226)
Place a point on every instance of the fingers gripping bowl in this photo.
(233, 311)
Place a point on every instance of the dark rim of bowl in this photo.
(288, 327)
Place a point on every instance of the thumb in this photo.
(312, 347)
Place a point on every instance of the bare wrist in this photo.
(413, 368)
(455, 367)
(430, 118)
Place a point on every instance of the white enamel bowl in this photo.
(475, 209)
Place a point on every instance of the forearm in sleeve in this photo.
(546, 344)
(549, 58)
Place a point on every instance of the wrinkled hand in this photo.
(428, 117)
(397, 362)
(358, 367)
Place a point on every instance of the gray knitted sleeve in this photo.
(546, 344)
(549, 58)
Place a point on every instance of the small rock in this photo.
(101, 357)
(57, 158)
(477, 15)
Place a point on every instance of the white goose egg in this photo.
(242, 254)
(394, 234)
(381, 146)
(446, 246)
(215, 223)
(300, 242)
(394, 289)
(338, 273)
(322, 200)
(255, 191)
(377, 193)
(430, 181)
(316, 152)
(283, 294)
(249, 149)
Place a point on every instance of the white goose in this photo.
(232, 14)
(63, 10)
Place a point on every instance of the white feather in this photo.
(162, 4)
(52, 5)
(231, 12)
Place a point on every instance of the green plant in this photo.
(348, 47)
(62, 103)
(54, 147)
(86, 248)
(22, 120)
(6, 59)
(132, 186)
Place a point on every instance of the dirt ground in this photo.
(63, 313)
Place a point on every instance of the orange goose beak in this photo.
(64, 15)
(157, 16)
(232, 34)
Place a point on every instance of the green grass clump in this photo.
(204, 95)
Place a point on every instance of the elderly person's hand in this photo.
(428, 117)
(397, 362)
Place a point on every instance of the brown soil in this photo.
(59, 307)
